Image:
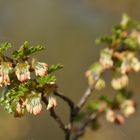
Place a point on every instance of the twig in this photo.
(58, 120)
(84, 98)
(81, 130)
(68, 101)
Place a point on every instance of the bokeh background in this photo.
(68, 28)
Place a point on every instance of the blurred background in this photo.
(68, 28)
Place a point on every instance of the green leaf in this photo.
(104, 40)
(53, 68)
(126, 20)
(106, 99)
(131, 43)
(45, 80)
(34, 49)
(93, 106)
(11, 97)
(4, 46)
(22, 51)
(26, 50)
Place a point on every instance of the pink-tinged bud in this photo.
(22, 71)
(120, 119)
(19, 110)
(33, 104)
(5, 69)
(110, 116)
(102, 107)
(41, 69)
(51, 103)
(37, 109)
(128, 107)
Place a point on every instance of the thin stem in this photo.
(81, 130)
(84, 98)
(56, 117)
(68, 101)
(58, 120)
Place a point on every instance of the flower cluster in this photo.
(127, 108)
(32, 104)
(22, 71)
(120, 56)
(26, 81)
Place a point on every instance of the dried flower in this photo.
(120, 83)
(128, 107)
(22, 71)
(5, 69)
(41, 69)
(51, 103)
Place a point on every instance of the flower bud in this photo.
(110, 116)
(51, 103)
(22, 71)
(5, 69)
(120, 83)
(33, 104)
(41, 69)
(128, 107)
(100, 84)
(106, 58)
(120, 119)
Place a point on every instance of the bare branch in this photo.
(55, 116)
(68, 101)
(81, 130)
(58, 120)
(85, 97)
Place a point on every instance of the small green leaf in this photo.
(45, 80)
(22, 51)
(56, 67)
(131, 43)
(106, 99)
(34, 49)
(93, 106)
(26, 50)
(4, 46)
(104, 40)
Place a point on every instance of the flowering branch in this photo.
(67, 100)
(23, 92)
(80, 132)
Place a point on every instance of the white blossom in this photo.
(41, 69)
(22, 71)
